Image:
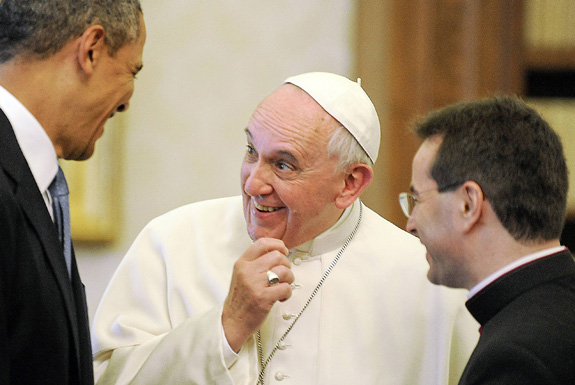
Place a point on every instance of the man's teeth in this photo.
(265, 208)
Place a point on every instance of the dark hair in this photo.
(512, 153)
(42, 27)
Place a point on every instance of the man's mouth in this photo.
(266, 209)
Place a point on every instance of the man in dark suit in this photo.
(66, 66)
(488, 200)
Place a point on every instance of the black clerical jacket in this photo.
(528, 326)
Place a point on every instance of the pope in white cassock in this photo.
(295, 282)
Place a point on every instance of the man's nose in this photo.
(259, 179)
(410, 226)
(123, 107)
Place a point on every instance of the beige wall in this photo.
(207, 63)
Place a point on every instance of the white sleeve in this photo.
(230, 357)
(142, 334)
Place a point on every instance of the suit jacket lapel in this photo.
(27, 193)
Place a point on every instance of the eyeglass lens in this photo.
(407, 203)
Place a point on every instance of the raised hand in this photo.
(251, 296)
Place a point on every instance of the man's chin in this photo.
(87, 153)
(432, 278)
(79, 156)
(432, 275)
(256, 232)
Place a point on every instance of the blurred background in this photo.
(208, 63)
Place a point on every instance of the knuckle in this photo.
(265, 242)
(280, 259)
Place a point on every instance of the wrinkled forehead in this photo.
(290, 111)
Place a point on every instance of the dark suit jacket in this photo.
(528, 326)
(44, 337)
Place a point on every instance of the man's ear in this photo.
(471, 204)
(92, 46)
(357, 178)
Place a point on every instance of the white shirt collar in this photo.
(33, 140)
(514, 265)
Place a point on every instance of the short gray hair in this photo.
(42, 27)
(345, 146)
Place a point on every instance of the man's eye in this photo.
(250, 150)
(284, 166)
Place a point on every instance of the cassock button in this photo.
(282, 345)
(297, 261)
(281, 376)
(288, 316)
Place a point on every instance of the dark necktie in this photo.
(59, 192)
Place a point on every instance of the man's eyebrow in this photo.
(281, 153)
(288, 155)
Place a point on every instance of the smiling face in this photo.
(432, 220)
(108, 91)
(289, 184)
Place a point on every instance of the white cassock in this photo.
(375, 320)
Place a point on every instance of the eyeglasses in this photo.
(407, 201)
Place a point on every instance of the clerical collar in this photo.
(512, 266)
(333, 237)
